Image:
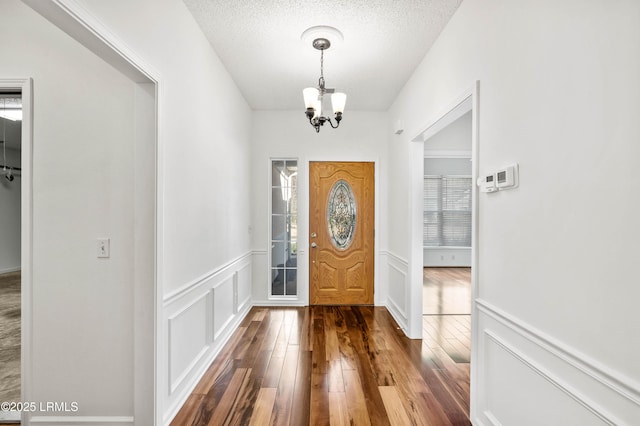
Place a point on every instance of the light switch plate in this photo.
(104, 250)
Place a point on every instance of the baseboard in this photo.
(10, 270)
(279, 303)
(202, 364)
(397, 315)
(83, 420)
(10, 417)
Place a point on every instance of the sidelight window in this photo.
(284, 228)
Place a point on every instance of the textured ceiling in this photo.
(259, 43)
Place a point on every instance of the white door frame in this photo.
(77, 22)
(467, 101)
(25, 86)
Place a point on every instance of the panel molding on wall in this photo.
(201, 316)
(600, 395)
(397, 270)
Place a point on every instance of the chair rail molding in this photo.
(605, 394)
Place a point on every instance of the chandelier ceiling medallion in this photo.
(314, 96)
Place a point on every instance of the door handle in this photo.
(314, 245)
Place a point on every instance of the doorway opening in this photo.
(10, 268)
(445, 239)
(15, 151)
(446, 293)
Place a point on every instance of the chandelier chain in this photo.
(321, 79)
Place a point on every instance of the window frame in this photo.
(442, 211)
(286, 241)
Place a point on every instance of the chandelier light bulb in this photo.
(338, 100)
(310, 95)
(317, 108)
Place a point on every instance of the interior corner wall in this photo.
(81, 313)
(454, 137)
(361, 136)
(556, 300)
(10, 212)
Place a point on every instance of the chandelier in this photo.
(313, 96)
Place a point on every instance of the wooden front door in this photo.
(341, 225)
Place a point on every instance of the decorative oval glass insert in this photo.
(341, 215)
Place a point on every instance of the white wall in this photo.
(455, 137)
(81, 307)
(288, 134)
(203, 135)
(10, 211)
(203, 245)
(556, 294)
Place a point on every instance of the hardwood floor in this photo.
(328, 365)
(10, 336)
(446, 291)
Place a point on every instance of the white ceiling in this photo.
(259, 43)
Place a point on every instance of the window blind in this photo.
(447, 211)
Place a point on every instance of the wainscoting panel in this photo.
(244, 281)
(188, 338)
(396, 287)
(223, 305)
(200, 317)
(528, 378)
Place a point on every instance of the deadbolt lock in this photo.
(314, 235)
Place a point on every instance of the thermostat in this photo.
(507, 177)
(487, 183)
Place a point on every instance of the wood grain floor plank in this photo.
(256, 343)
(284, 397)
(369, 383)
(244, 404)
(215, 393)
(264, 407)
(274, 371)
(189, 411)
(223, 408)
(347, 356)
(224, 357)
(338, 410)
(301, 405)
(356, 401)
(332, 366)
(332, 346)
(393, 406)
(334, 376)
(245, 341)
(319, 410)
